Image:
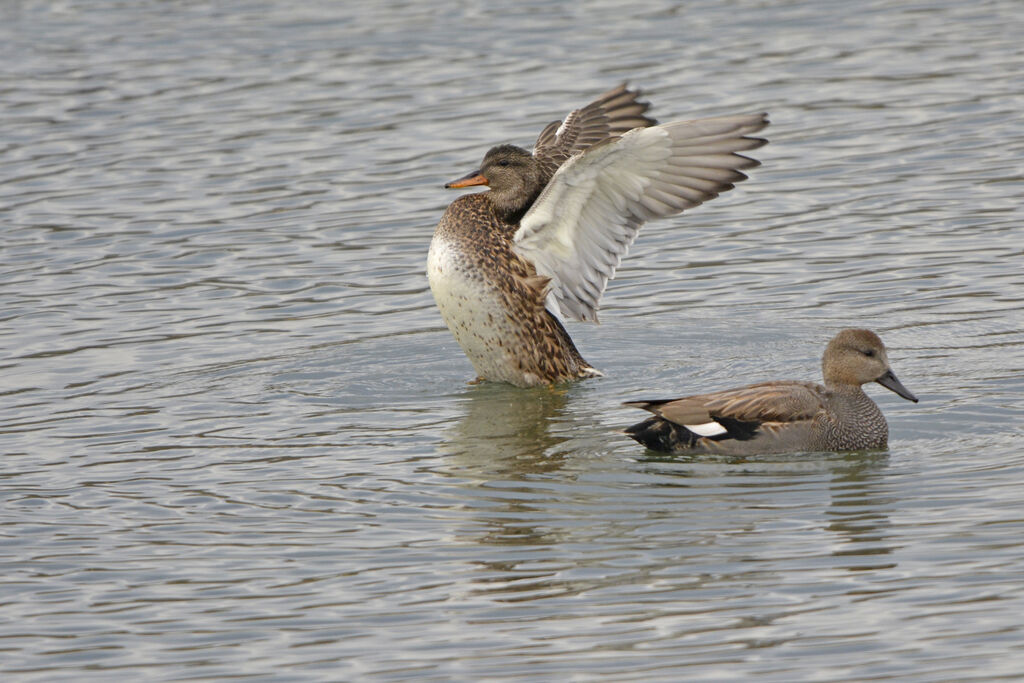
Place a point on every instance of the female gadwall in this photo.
(776, 417)
(547, 236)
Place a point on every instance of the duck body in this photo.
(782, 416)
(493, 301)
(838, 421)
(547, 236)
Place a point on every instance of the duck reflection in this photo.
(857, 513)
(859, 509)
(507, 438)
(507, 432)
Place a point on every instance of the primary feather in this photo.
(588, 215)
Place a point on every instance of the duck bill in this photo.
(889, 381)
(468, 180)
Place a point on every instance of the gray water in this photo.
(238, 441)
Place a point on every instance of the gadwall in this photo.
(779, 417)
(546, 237)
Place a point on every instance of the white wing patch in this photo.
(584, 221)
(707, 429)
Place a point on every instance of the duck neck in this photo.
(509, 207)
(850, 394)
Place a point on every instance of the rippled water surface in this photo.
(238, 441)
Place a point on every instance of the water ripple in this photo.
(238, 439)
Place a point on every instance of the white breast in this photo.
(473, 309)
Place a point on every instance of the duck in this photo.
(782, 416)
(506, 265)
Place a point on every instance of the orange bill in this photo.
(468, 180)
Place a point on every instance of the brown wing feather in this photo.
(768, 402)
(765, 402)
(689, 410)
(613, 113)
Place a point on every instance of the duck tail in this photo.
(659, 434)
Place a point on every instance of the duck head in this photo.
(856, 357)
(514, 176)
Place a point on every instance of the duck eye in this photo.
(503, 162)
(870, 353)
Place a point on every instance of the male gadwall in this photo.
(547, 236)
(778, 417)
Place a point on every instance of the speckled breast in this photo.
(477, 284)
(855, 422)
(473, 309)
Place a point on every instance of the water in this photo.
(238, 440)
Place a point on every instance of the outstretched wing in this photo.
(613, 113)
(581, 226)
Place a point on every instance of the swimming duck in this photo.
(547, 236)
(783, 416)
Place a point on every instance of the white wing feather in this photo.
(584, 221)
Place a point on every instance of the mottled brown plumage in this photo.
(513, 337)
(616, 112)
(776, 417)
